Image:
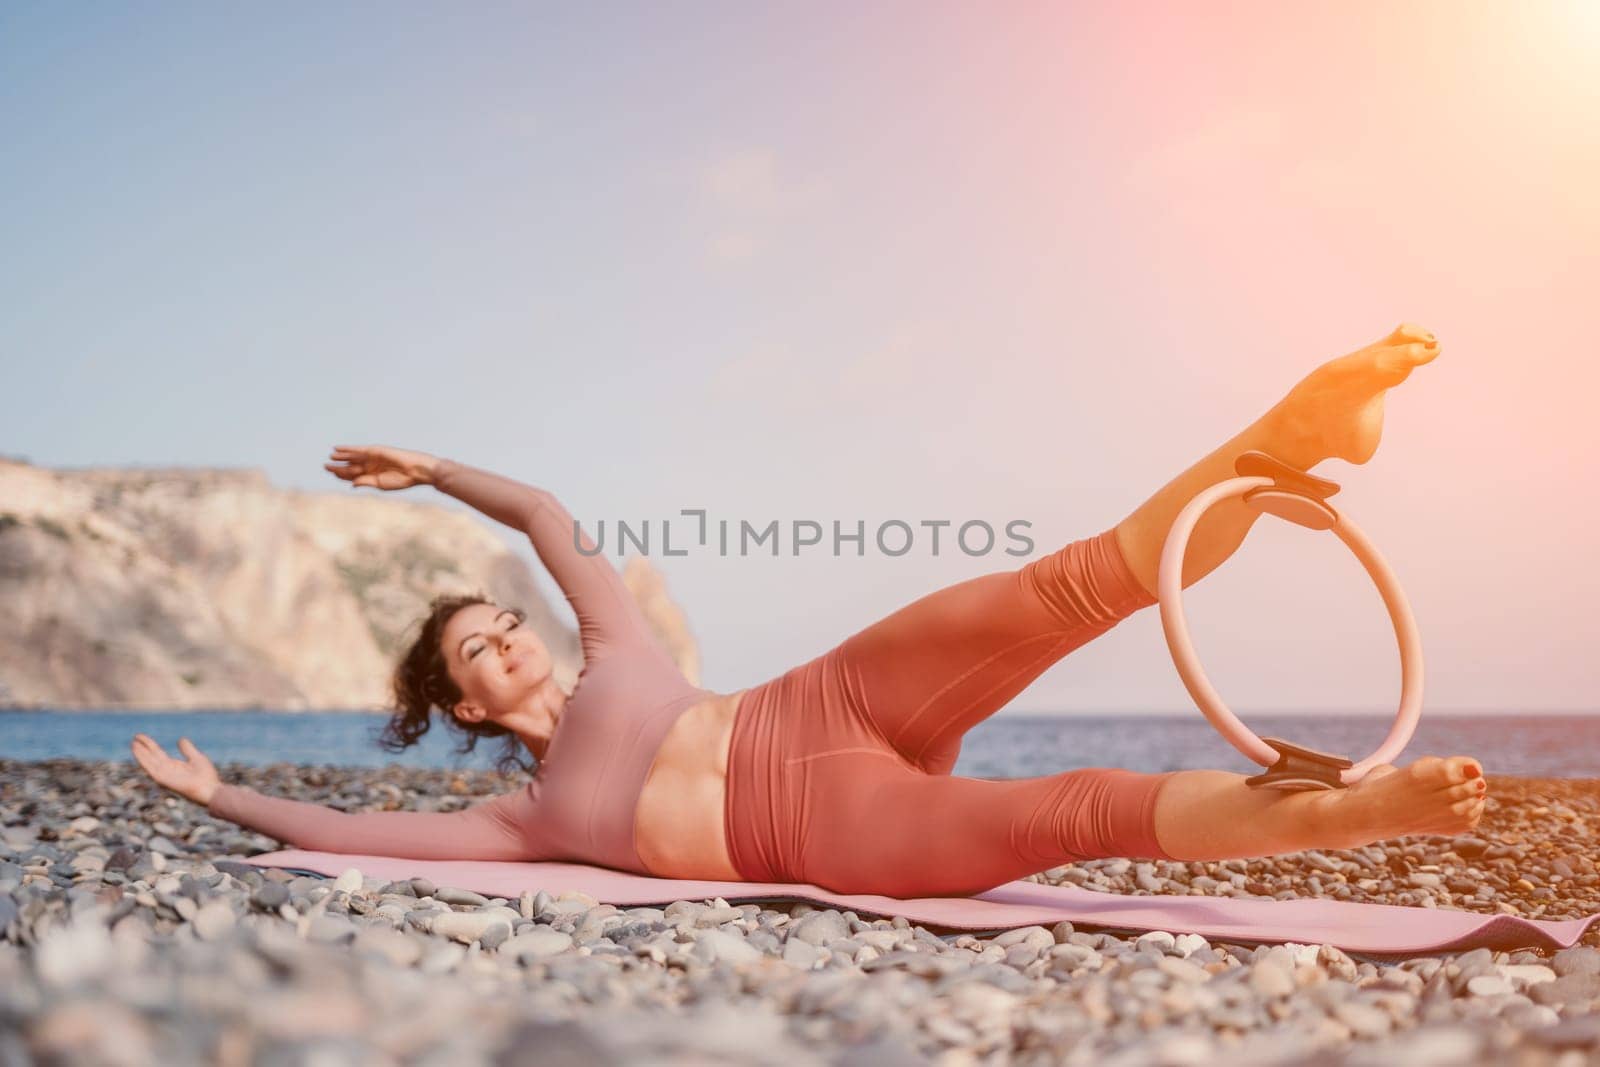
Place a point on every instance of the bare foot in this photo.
(1431, 796)
(1337, 409)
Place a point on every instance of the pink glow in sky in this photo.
(864, 262)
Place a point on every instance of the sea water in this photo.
(1009, 745)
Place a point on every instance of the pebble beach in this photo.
(132, 933)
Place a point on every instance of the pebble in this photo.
(450, 895)
(329, 929)
(1528, 973)
(1580, 959)
(1574, 989)
(1488, 985)
(397, 948)
(465, 926)
(726, 946)
(1364, 1020)
(106, 871)
(1579, 1032)
(214, 921)
(538, 943)
(1271, 977)
(271, 896)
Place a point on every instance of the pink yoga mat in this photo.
(1372, 929)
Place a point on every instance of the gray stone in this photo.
(1488, 985)
(1428, 1046)
(1364, 1020)
(1581, 1031)
(1580, 959)
(557, 1043)
(728, 947)
(452, 895)
(1271, 977)
(392, 945)
(820, 927)
(804, 954)
(539, 943)
(494, 935)
(1569, 989)
(1527, 974)
(330, 929)
(467, 926)
(214, 921)
(442, 958)
(883, 1051)
(270, 896)
(1036, 936)
(1183, 971)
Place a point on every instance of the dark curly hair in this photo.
(421, 683)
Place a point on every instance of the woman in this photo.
(837, 773)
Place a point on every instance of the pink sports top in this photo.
(580, 804)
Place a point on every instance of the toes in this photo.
(1439, 773)
(1407, 332)
(1431, 772)
(1400, 359)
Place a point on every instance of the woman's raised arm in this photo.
(607, 613)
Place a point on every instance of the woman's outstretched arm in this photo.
(492, 830)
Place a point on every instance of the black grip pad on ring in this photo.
(1258, 464)
(1299, 768)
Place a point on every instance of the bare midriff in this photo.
(678, 824)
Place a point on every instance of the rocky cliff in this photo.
(209, 588)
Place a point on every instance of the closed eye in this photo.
(479, 648)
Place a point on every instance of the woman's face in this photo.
(495, 659)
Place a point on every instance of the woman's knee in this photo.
(1100, 813)
(1086, 586)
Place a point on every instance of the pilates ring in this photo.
(1273, 487)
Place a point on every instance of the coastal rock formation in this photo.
(169, 588)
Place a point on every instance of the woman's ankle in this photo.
(1338, 825)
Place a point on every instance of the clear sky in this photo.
(852, 262)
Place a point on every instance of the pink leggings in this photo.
(839, 770)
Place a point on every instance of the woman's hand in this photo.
(195, 778)
(382, 467)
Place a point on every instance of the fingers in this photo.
(186, 746)
(351, 473)
(354, 468)
(149, 755)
